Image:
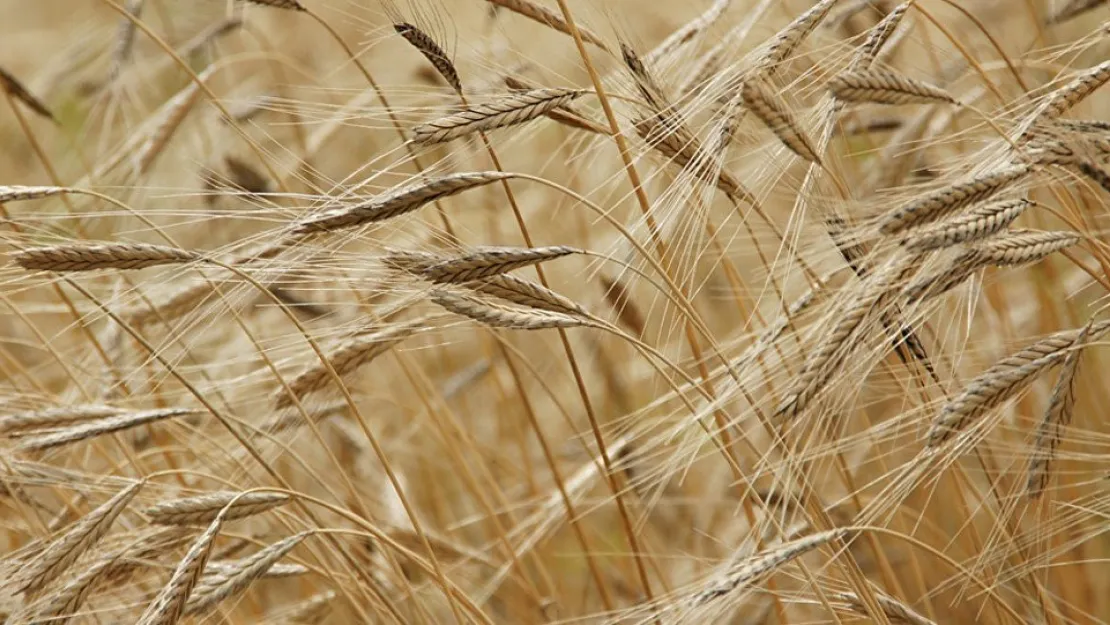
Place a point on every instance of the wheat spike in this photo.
(510, 317)
(168, 119)
(15, 89)
(687, 32)
(1063, 99)
(209, 35)
(66, 549)
(895, 610)
(100, 427)
(347, 358)
(645, 82)
(675, 142)
(312, 610)
(222, 569)
(547, 17)
(432, 51)
(53, 417)
(1022, 247)
(292, 5)
(490, 261)
(211, 590)
(18, 193)
(63, 602)
(1074, 8)
(772, 111)
(948, 200)
(79, 257)
(565, 115)
(878, 37)
(1095, 173)
(783, 44)
(397, 202)
(975, 225)
(526, 293)
(244, 177)
(629, 314)
(205, 508)
(125, 39)
(1056, 417)
(885, 87)
(168, 607)
(1005, 379)
(510, 110)
(751, 569)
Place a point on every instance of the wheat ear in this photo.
(977, 224)
(687, 32)
(787, 40)
(622, 302)
(291, 5)
(895, 610)
(77, 257)
(526, 293)
(509, 110)
(497, 316)
(66, 549)
(53, 417)
(100, 427)
(426, 45)
(879, 35)
(205, 508)
(1056, 417)
(490, 261)
(19, 193)
(886, 87)
(11, 85)
(950, 199)
(312, 610)
(675, 142)
(753, 568)
(772, 111)
(211, 590)
(168, 607)
(1005, 379)
(547, 17)
(565, 115)
(397, 202)
(346, 359)
(1074, 8)
(63, 602)
(1066, 97)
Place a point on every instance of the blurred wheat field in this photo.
(554, 311)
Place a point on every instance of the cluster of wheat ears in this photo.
(537, 311)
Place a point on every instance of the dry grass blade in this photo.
(629, 314)
(547, 17)
(772, 111)
(977, 224)
(751, 569)
(1073, 9)
(66, 549)
(205, 508)
(509, 110)
(168, 607)
(15, 89)
(78, 257)
(100, 427)
(786, 42)
(895, 610)
(1056, 418)
(526, 293)
(292, 5)
(877, 38)
(216, 588)
(885, 87)
(432, 51)
(398, 202)
(346, 359)
(53, 417)
(1005, 379)
(688, 31)
(490, 261)
(510, 317)
(948, 200)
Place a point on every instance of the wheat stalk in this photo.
(53, 417)
(1056, 417)
(1005, 379)
(945, 201)
(772, 111)
(11, 85)
(526, 293)
(168, 607)
(975, 225)
(490, 261)
(547, 17)
(100, 427)
(205, 508)
(346, 359)
(497, 316)
(82, 257)
(432, 51)
(885, 87)
(66, 549)
(751, 569)
(397, 202)
(211, 590)
(510, 110)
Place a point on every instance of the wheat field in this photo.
(554, 311)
